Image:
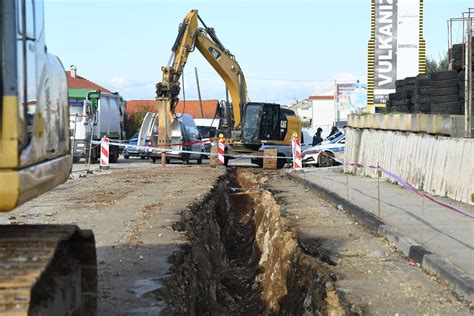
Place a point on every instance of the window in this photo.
(26, 63)
(39, 17)
(29, 10)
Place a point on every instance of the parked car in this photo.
(208, 129)
(184, 137)
(326, 154)
(131, 151)
(207, 132)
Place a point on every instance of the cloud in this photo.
(118, 81)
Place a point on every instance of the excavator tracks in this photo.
(47, 270)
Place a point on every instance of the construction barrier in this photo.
(297, 165)
(296, 149)
(104, 153)
(410, 187)
(221, 150)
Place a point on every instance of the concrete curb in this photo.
(463, 284)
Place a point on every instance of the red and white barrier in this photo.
(296, 148)
(221, 150)
(104, 153)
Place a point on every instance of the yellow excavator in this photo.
(44, 269)
(252, 124)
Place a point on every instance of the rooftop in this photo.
(209, 107)
(75, 81)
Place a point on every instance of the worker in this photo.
(317, 139)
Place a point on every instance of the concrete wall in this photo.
(439, 165)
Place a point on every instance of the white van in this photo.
(184, 136)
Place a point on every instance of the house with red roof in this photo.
(79, 86)
(209, 110)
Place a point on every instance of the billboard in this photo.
(396, 47)
(350, 98)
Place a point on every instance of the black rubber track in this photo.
(445, 98)
(424, 91)
(444, 84)
(423, 83)
(422, 99)
(446, 108)
(444, 75)
(410, 80)
(444, 91)
(399, 83)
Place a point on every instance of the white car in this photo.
(329, 153)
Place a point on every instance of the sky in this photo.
(287, 50)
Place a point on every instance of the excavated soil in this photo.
(243, 257)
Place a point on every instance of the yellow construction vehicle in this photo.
(44, 269)
(252, 124)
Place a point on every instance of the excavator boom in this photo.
(190, 36)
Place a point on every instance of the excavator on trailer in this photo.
(249, 124)
(44, 269)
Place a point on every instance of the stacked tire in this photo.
(422, 94)
(396, 100)
(462, 90)
(408, 95)
(458, 55)
(444, 93)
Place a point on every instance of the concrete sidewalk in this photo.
(441, 240)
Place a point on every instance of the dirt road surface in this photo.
(242, 241)
(131, 211)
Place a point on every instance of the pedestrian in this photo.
(334, 130)
(317, 139)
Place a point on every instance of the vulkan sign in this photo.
(385, 49)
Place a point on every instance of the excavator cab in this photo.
(34, 113)
(265, 123)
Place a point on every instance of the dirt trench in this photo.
(242, 257)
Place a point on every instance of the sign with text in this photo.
(396, 47)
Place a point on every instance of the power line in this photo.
(275, 79)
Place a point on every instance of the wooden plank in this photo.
(270, 163)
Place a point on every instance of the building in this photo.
(317, 111)
(79, 86)
(210, 108)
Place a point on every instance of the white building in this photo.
(317, 111)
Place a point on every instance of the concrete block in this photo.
(446, 124)
(457, 126)
(419, 123)
(394, 122)
(350, 120)
(378, 121)
(403, 244)
(386, 122)
(363, 121)
(370, 119)
(434, 124)
(405, 122)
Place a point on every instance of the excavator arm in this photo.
(190, 36)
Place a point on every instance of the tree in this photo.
(435, 66)
(133, 122)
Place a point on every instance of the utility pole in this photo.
(199, 91)
(468, 132)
